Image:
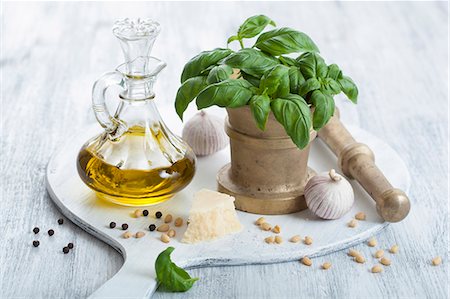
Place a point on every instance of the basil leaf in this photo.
(251, 61)
(219, 73)
(260, 107)
(253, 80)
(170, 276)
(334, 72)
(349, 88)
(187, 92)
(324, 108)
(294, 114)
(206, 71)
(276, 81)
(321, 67)
(284, 41)
(295, 79)
(288, 61)
(230, 93)
(197, 64)
(308, 86)
(254, 26)
(312, 65)
(331, 86)
(232, 39)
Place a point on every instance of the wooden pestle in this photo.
(357, 161)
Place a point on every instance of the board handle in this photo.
(357, 161)
(134, 280)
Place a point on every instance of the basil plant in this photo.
(266, 79)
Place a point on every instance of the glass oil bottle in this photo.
(136, 160)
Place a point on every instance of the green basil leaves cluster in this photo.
(297, 90)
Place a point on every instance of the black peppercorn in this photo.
(158, 214)
(51, 232)
(36, 230)
(66, 250)
(124, 226)
(152, 227)
(60, 221)
(36, 243)
(70, 245)
(112, 225)
(145, 213)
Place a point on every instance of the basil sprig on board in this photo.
(266, 79)
(170, 276)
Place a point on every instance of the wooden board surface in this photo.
(53, 52)
(136, 277)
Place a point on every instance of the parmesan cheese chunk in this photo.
(212, 216)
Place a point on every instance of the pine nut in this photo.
(260, 221)
(278, 240)
(394, 249)
(306, 261)
(436, 261)
(165, 238)
(377, 269)
(385, 261)
(353, 253)
(372, 242)
(379, 253)
(163, 228)
(360, 216)
(171, 233)
(295, 239)
(126, 235)
(276, 229)
(138, 213)
(308, 240)
(360, 259)
(352, 223)
(178, 222)
(139, 235)
(168, 218)
(326, 265)
(269, 240)
(266, 226)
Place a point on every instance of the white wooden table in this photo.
(53, 52)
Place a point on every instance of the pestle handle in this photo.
(357, 161)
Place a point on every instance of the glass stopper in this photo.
(136, 36)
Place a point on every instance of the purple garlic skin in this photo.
(329, 195)
(205, 134)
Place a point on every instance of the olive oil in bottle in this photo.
(133, 180)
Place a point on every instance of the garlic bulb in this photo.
(205, 134)
(329, 195)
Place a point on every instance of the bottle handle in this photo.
(112, 125)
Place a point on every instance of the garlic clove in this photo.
(329, 195)
(205, 134)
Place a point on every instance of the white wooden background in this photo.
(53, 52)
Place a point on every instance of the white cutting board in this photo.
(136, 278)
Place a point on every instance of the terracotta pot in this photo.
(267, 173)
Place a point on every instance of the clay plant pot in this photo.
(268, 172)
